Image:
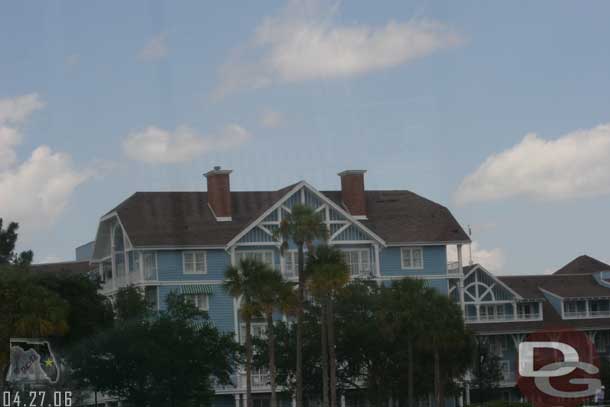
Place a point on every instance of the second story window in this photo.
(149, 265)
(412, 258)
(264, 256)
(291, 263)
(200, 301)
(358, 261)
(195, 262)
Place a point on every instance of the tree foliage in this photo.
(8, 240)
(374, 325)
(172, 359)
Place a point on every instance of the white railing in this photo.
(260, 379)
(502, 318)
(586, 314)
(453, 267)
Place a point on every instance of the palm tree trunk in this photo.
(437, 380)
(410, 372)
(272, 368)
(324, 337)
(248, 363)
(331, 353)
(300, 300)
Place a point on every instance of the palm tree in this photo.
(241, 282)
(273, 293)
(328, 274)
(303, 225)
(409, 296)
(445, 334)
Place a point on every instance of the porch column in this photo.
(467, 393)
(237, 403)
(343, 400)
(461, 278)
(294, 402)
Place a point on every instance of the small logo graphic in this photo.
(558, 367)
(32, 361)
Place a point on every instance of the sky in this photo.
(498, 110)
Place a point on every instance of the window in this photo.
(150, 296)
(412, 258)
(358, 261)
(491, 312)
(195, 262)
(291, 263)
(264, 256)
(505, 368)
(107, 271)
(149, 262)
(201, 301)
(136, 262)
(257, 330)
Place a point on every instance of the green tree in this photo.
(273, 293)
(445, 336)
(328, 274)
(129, 304)
(172, 359)
(403, 318)
(8, 240)
(303, 225)
(243, 282)
(27, 309)
(487, 372)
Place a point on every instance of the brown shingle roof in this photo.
(566, 286)
(405, 217)
(583, 265)
(184, 218)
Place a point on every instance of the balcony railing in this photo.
(586, 314)
(502, 318)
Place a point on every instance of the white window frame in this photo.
(294, 253)
(505, 369)
(245, 253)
(195, 253)
(195, 299)
(261, 327)
(155, 272)
(360, 251)
(411, 257)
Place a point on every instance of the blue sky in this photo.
(98, 100)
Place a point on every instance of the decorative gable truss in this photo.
(487, 299)
(342, 227)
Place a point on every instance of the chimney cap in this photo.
(351, 172)
(217, 171)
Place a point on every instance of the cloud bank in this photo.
(36, 190)
(574, 165)
(304, 43)
(155, 145)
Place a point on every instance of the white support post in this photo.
(343, 400)
(377, 265)
(467, 393)
(237, 403)
(294, 402)
(461, 280)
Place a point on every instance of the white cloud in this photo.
(304, 43)
(491, 259)
(156, 48)
(16, 110)
(271, 119)
(35, 191)
(575, 165)
(155, 145)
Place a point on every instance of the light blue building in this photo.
(184, 241)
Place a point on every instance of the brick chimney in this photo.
(352, 192)
(219, 193)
